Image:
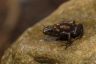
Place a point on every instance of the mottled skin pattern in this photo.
(65, 31)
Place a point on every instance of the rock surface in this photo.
(31, 48)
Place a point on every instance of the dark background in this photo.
(31, 12)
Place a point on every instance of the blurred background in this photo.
(17, 15)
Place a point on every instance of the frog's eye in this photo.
(48, 29)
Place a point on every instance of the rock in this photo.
(32, 48)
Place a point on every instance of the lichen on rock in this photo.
(31, 48)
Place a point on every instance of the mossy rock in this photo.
(32, 48)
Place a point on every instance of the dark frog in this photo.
(65, 31)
